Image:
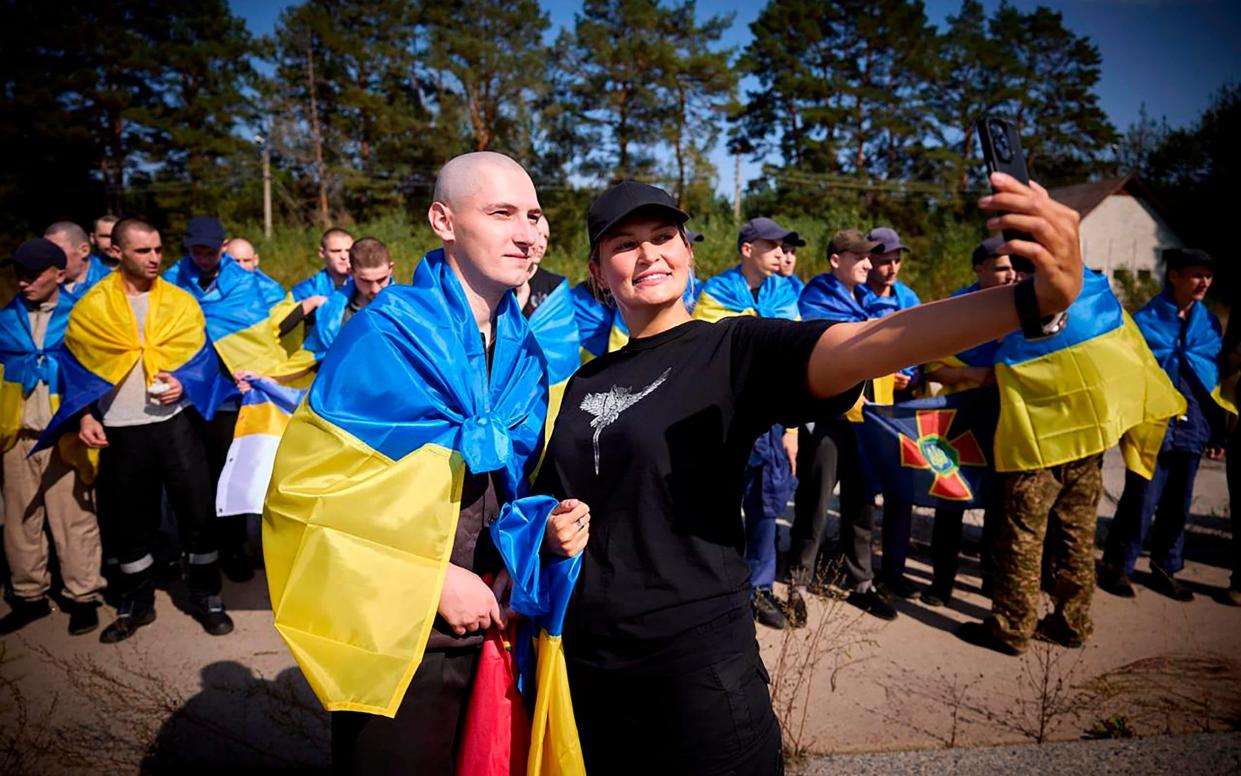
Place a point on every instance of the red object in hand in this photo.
(496, 737)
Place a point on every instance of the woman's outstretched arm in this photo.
(848, 353)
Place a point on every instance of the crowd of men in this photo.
(121, 384)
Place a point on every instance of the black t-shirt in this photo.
(655, 438)
(542, 284)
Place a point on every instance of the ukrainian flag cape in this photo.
(23, 365)
(239, 309)
(264, 414)
(798, 284)
(102, 344)
(366, 489)
(96, 271)
(1077, 393)
(541, 591)
(329, 319)
(826, 298)
(600, 328)
(318, 284)
(554, 325)
(1160, 323)
(901, 298)
(979, 355)
(728, 294)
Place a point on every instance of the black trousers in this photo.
(826, 456)
(138, 463)
(217, 435)
(715, 719)
(422, 737)
(946, 538)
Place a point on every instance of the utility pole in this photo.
(737, 187)
(265, 144)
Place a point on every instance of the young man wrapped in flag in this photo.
(136, 364)
(829, 452)
(243, 320)
(43, 491)
(1186, 340)
(424, 419)
(756, 287)
(1069, 389)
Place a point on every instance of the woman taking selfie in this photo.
(663, 663)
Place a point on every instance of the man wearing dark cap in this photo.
(1186, 339)
(971, 369)
(42, 491)
(828, 453)
(239, 309)
(756, 287)
(788, 266)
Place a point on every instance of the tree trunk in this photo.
(680, 139)
(316, 137)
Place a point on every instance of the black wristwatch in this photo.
(1034, 325)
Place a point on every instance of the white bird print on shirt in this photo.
(607, 407)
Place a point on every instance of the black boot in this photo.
(83, 618)
(24, 612)
(209, 611)
(130, 616)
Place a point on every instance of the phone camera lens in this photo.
(999, 139)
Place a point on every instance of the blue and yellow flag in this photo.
(554, 324)
(600, 327)
(96, 271)
(542, 587)
(1199, 349)
(901, 298)
(931, 452)
(243, 315)
(318, 284)
(23, 365)
(265, 412)
(1079, 392)
(366, 489)
(728, 294)
(102, 345)
(826, 298)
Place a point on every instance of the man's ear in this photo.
(440, 217)
(834, 260)
(746, 250)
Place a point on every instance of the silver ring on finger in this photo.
(581, 523)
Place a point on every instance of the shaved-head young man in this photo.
(486, 213)
(242, 251)
(73, 240)
(101, 240)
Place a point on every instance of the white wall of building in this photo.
(1124, 232)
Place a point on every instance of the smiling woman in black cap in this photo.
(662, 657)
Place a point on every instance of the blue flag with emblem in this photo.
(931, 452)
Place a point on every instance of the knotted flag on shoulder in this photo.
(728, 294)
(826, 298)
(1077, 393)
(23, 365)
(366, 489)
(102, 344)
(264, 414)
(931, 452)
(243, 315)
(1160, 323)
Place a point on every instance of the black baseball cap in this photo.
(1179, 258)
(624, 200)
(695, 236)
(762, 228)
(987, 249)
(204, 230)
(34, 256)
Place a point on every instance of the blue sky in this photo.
(1171, 56)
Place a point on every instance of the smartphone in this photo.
(1001, 151)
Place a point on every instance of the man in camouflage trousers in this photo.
(1067, 495)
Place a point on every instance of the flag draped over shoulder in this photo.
(1079, 392)
(978, 356)
(554, 324)
(264, 414)
(600, 328)
(1160, 324)
(102, 344)
(243, 316)
(826, 298)
(318, 284)
(931, 452)
(96, 271)
(23, 365)
(366, 489)
(728, 294)
(542, 587)
(901, 298)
